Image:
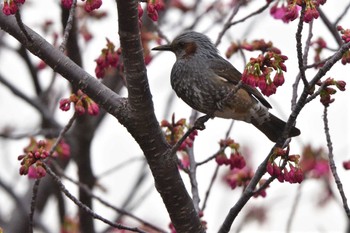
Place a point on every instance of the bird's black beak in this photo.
(166, 47)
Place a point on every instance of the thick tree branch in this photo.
(60, 63)
(143, 125)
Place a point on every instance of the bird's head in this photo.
(190, 44)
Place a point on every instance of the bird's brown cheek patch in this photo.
(190, 48)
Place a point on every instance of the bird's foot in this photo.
(199, 123)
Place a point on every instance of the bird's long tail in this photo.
(273, 127)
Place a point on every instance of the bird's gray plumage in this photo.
(203, 79)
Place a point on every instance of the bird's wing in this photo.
(226, 70)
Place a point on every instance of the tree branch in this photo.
(60, 63)
(332, 164)
(84, 207)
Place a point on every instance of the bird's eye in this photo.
(181, 44)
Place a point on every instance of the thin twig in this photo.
(315, 94)
(341, 16)
(249, 191)
(193, 168)
(85, 207)
(193, 179)
(295, 92)
(68, 27)
(330, 26)
(211, 157)
(258, 11)
(32, 204)
(305, 66)
(332, 164)
(330, 62)
(21, 25)
(200, 16)
(87, 190)
(246, 195)
(9, 135)
(229, 24)
(34, 103)
(198, 125)
(207, 193)
(63, 45)
(294, 208)
(308, 44)
(118, 166)
(37, 182)
(299, 47)
(62, 133)
(316, 64)
(270, 179)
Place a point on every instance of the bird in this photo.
(210, 84)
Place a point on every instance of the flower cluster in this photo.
(345, 34)
(109, 58)
(67, 4)
(258, 72)
(89, 6)
(239, 177)
(153, 6)
(346, 38)
(314, 163)
(11, 6)
(37, 151)
(82, 103)
(239, 173)
(174, 131)
(62, 150)
(236, 160)
(289, 10)
(31, 161)
(319, 45)
(85, 21)
(327, 90)
(293, 175)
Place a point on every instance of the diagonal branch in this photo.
(60, 63)
(84, 207)
(332, 164)
(35, 104)
(248, 192)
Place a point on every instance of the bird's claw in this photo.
(199, 123)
